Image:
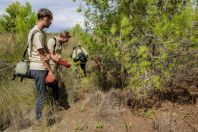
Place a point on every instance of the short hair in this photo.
(74, 48)
(65, 34)
(44, 12)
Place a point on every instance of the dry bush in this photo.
(184, 77)
(16, 101)
(182, 85)
(5, 70)
(77, 87)
(162, 123)
(108, 107)
(6, 47)
(176, 119)
(51, 114)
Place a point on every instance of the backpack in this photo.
(82, 58)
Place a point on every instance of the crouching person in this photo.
(55, 45)
(79, 57)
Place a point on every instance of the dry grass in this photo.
(5, 43)
(16, 101)
(108, 107)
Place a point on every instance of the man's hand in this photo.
(50, 77)
(55, 57)
(44, 58)
(47, 57)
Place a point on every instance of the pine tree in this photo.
(18, 20)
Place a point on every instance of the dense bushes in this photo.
(140, 43)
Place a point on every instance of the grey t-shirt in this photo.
(38, 42)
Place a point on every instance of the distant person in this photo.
(55, 45)
(39, 58)
(80, 56)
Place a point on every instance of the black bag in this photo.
(82, 58)
(22, 67)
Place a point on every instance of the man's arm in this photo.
(51, 48)
(54, 56)
(45, 58)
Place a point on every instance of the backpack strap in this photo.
(30, 42)
(54, 38)
(57, 66)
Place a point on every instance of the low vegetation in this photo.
(142, 56)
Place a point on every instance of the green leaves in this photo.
(19, 18)
(125, 22)
(113, 29)
(79, 9)
(125, 26)
(157, 81)
(143, 50)
(140, 36)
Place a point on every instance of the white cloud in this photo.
(65, 17)
(1, 12)
(64, 11)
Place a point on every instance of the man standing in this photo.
(55, 46)
(39, 57)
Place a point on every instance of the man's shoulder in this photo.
(52, 39)
(35, 31)
(51, 43)
(34, 28)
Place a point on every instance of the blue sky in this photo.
(65, 15)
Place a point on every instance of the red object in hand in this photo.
(50, 78)
(65, 63)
